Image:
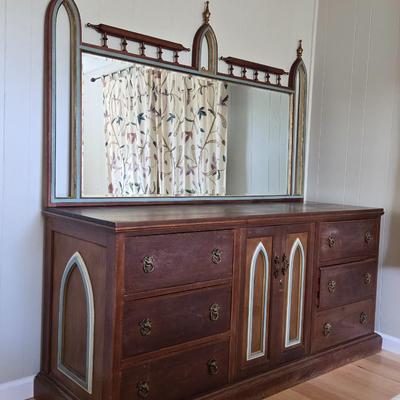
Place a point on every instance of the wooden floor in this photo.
(373, 378)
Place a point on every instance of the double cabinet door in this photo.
(276, 280)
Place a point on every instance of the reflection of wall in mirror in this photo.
(94, 150)
(258, 137)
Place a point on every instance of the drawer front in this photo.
(342, 324)
(341, 240)
(344, 284)
(152, 324)
(161, 261)
(178, 377)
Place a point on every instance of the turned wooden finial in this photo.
(300, 49)
(206, 13)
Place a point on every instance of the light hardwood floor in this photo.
(373, 378)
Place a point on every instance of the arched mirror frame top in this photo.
(206, 32)
(75, 29)
(296, 89)
(298, 83)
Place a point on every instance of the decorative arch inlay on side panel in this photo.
(295, 295)
(207, 33)
(257, 319)
(76, 324)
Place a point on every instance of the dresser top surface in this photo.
(134, 216)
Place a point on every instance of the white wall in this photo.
(258, 142)
(355, 130)
(276, 25)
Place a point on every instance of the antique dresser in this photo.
(201, 282)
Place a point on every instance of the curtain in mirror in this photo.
(165, 133)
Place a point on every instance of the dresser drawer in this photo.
(178, 377)
(349, 239)
(342, 324)
(349, 283)
(160, 261)
(152, 324)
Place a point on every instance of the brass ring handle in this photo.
(143, 389)
(332, 286)
(285, 264)
(276, 267)
(212, 367)
(145, 327)
(367, 278)
(331, 241)
(214, 312)
(368, 237)
(216, 256)
(148, 264)
(328, 328)
(363, 318)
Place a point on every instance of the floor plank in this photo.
(373, 378)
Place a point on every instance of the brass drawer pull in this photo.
(332, 286)
(332, 241)
(285, 264)
(214, 312)
(145, 327)
(328, 328)
(212, 367)
(367, 278)
(143, 389)
(148, 264)
(216, 256)
(363, 318)
(368, 237)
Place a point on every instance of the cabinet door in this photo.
(257, 301)
(295, 293)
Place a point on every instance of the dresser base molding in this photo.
(262, 385)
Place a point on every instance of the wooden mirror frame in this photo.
(296, 89)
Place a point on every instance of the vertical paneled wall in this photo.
(21, 82)
(276, 25)
(355, 132)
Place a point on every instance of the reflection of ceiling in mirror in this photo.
(103, 65)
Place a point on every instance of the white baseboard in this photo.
(20, 389)
(390, 343)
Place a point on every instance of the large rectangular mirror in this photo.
(153, 132)
(126, 121)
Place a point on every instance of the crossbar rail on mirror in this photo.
(143, 40)
(256, 67)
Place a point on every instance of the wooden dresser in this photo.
(227, 301)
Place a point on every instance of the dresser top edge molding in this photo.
(125, 218)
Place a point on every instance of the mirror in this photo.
(127, 121)
(153, 132)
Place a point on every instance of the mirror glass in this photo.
(63, 148)
(152, 132)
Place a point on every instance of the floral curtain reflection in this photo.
(166, 133)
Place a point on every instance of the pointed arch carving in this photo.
(82, 375)
(260, 260)
(205, 32)
(295, 295)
